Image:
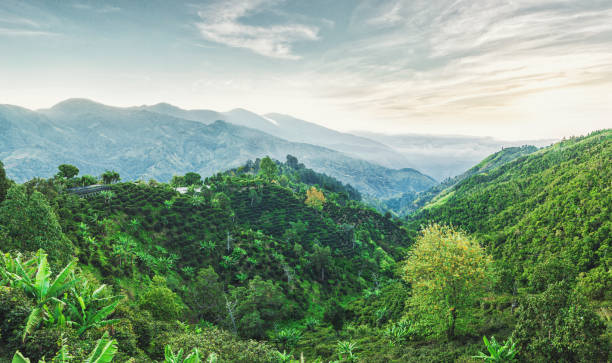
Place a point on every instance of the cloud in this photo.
(16, 32)
(102, 9)
(221, 23)
(466, 60)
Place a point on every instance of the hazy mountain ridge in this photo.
(411, 202)
(140, 143)
(296, 130)
(446, 156)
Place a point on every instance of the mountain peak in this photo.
(77, 105)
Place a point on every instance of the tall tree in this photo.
(29, 223)
(268, 168)
(4, 183)
(110, 177)
(448, 272)
(192, 179)
(67, 171)
(315, 198)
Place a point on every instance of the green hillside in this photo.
(548, 208)
(409, 203)
(272, 262)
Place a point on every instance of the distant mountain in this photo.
(139, 142)
(445, 156)
(293, 129)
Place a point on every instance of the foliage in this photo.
(110, 177)
(67, 171)
(315, 198)
(498, 353)
(28, 223)
(4, 183)
(162, 302)
(448, 272)
(268, 168)
(559, 326)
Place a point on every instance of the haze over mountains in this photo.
(140, 143)
(163, 140)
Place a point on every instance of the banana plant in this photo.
(498, 353)
(171, 357)
(104, 352)
(90, 310)
(38, 284)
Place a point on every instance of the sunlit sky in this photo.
(511, 69)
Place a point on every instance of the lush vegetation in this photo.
(272, 262)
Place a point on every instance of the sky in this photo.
(511, 69)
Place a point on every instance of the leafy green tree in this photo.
(29, 224)
(221, 200)
(559, 326)
(87, 180)
(292, 162)
(162, 302)
(448, 272)
(268, 168)
(110, 177)
(320, 259)
(205, 295)
(4, 183)
(192, 179)
(67, 171)
(259, 305)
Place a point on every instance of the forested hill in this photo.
(409, 203)
(546, 215)
(249, 253)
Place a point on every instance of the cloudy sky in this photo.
(513, 69)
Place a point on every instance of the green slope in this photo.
(551, 204)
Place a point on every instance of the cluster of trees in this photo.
(68, 175)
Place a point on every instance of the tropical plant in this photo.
(103, 352)
(498, 353)
(346, 351)
(37, 283)
(92, 309)
(287, 338)
(193, 357)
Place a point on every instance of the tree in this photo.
(192, 179)
(268, 168)
(67, 171)
(292, 162)
(87, 180)
(559, 326)
(448, 272)
(161, 302)
(321, 258)
(110, 177)
(29, 223)
(4, 183)
(315, 198)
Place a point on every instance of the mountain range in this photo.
(139, 142)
